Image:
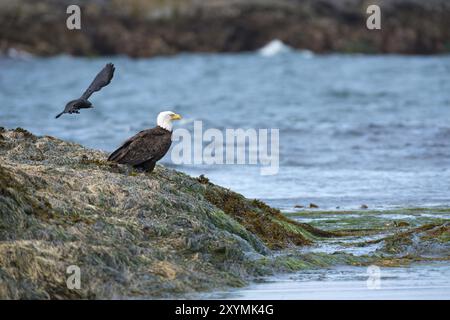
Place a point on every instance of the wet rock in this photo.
(298, 206)
(424, 242)
(401, 224)
(364, 206)
(313, 206)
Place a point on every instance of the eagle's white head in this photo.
(165, 119)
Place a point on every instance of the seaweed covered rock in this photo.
(430, 240)
(131, 234)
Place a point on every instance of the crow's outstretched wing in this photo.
(102, 79)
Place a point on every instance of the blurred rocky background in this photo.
(141, 28)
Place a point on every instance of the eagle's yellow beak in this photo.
(175, 116)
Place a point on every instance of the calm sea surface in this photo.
(418, 282)
(354, 129)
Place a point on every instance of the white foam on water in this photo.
(274, 48)
(18, 54)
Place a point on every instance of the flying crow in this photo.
(102, 79)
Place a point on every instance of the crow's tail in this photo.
(59, 115)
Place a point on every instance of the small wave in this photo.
(274, 48)
(17, 54)
(443, 133)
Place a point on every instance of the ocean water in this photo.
(420, 281)
(354, 129)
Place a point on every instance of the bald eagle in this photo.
(102, 79)
(148, 146)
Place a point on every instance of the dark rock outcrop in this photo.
(146, 28)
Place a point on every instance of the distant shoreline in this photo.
(145, 29)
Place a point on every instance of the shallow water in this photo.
(425, 280)
(354, 129)
(420, 281)
(341, 219)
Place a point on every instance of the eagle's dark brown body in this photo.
(144, 149)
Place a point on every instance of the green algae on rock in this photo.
(267, 223)
(378, 237)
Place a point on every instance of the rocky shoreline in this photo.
(149, 28)
(160, 235)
